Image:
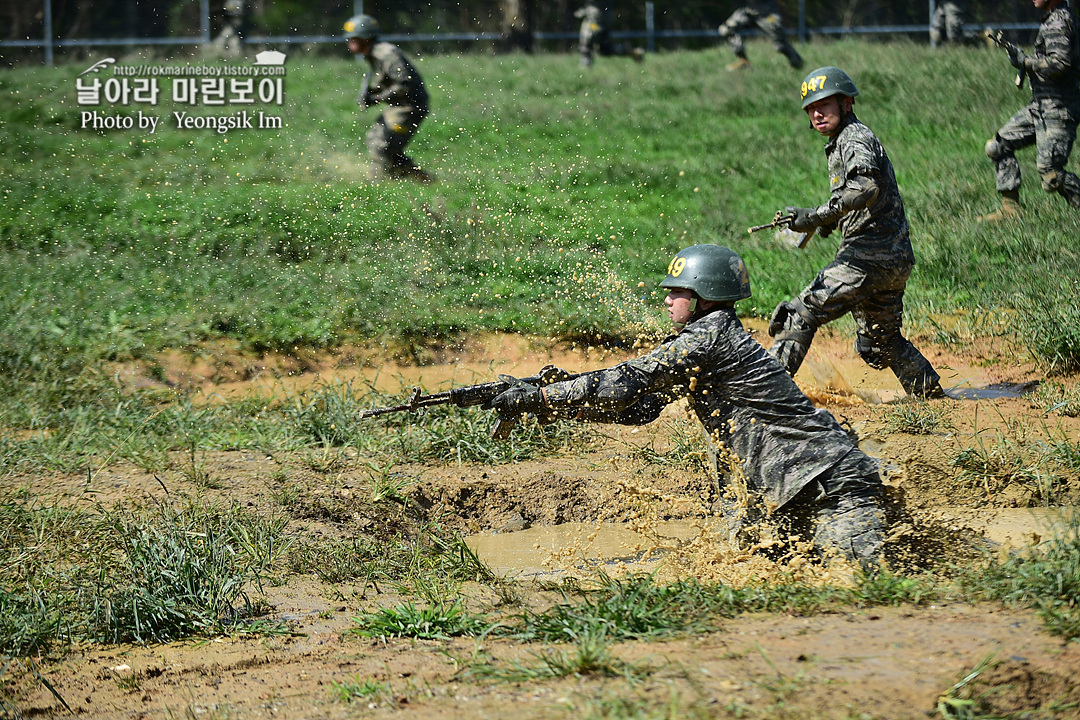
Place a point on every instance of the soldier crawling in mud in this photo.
(1049, 120)
(795, 459)
(395, 83)
(869, 273)
(765, 17)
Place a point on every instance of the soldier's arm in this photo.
(1058, 58)
(399, 78)
(660, 376)
(860, 190)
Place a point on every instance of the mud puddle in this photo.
(832, 370)
(535, 551)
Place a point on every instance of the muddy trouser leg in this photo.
(1055, 132)
(879, 342)
(774, 29)
(834, 292)
(850, 522)
(1018, 132)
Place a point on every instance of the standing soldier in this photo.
(231, 36)
(868, 276)
(595, 35)
(1049, 120)
(394, 82)
(766, 18)
(947, 26)
(768, 439)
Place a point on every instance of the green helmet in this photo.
(712, 272)
(363, 27)
(826, 82)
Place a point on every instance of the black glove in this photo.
(803, 219)
(518, 399)
(1017, 57)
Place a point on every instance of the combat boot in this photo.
(1010, 208)
(739, 64)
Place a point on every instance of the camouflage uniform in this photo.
(765, 18)
(395, 82)
(595, 32)
(870, 271)
(750, 406)
(947, 25)
(1049, 120)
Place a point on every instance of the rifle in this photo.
(998, 39)
(471, 395)
(782, 219)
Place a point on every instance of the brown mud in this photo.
(533, 519)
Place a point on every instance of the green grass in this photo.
(561, 195)
(128, 574)
(560, 190)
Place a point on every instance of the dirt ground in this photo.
(861, 663)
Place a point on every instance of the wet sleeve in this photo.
(608, 393)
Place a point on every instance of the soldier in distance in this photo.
(394, 83)
(796, 462)
(869, 273)
(764, 16)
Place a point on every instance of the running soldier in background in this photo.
(869, 274)
(765, 17)
(947, 26)
(394, 82)
(1049, 120)
(769, 441)
(594, 36)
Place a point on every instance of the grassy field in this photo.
(561, 195)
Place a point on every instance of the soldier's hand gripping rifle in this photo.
(783, 220)
(472, 395)
(1016, 55)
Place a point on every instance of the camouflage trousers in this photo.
(770, 25)
(1051, 127)
(840, 510)
(875, 299)
(387, 138)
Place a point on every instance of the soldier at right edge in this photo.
(1049, 120)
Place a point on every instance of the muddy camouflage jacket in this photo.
(744, 398)
(865, 201)
(1055, 67)
(393, 79)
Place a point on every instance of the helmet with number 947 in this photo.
(712, 272)
(363, 27)
(826, 82)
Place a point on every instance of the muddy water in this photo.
(539, 550)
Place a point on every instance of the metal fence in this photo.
(649, 34)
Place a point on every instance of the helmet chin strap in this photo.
(692, 307)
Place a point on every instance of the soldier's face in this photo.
(826, 115)
(358, 46)
(681, 305)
